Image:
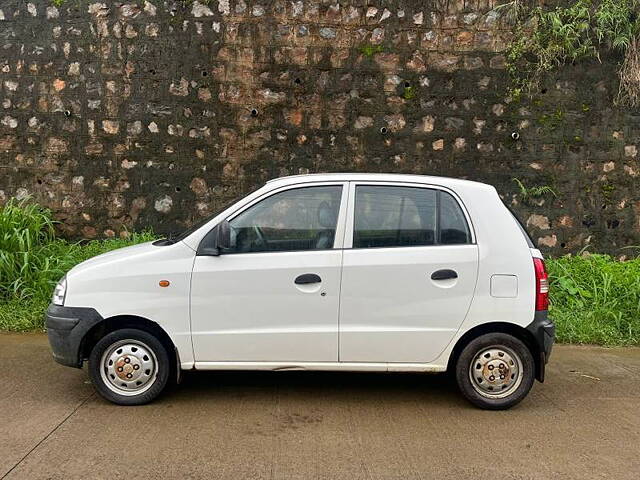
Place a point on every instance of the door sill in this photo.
(326, 366)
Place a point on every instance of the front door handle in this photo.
(445, 274)
(307, 278)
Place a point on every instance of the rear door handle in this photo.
(307, 278)
(445, 274)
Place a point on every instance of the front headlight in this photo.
(60, 292)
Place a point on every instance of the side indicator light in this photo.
(164, 283)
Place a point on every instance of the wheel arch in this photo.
(512, 329)
(118, 322)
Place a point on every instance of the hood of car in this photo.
(114, 257)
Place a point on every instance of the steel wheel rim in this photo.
(496, 372)
(129, 367)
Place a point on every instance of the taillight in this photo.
(542, 284)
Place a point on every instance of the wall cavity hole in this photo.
(254, 112)
(589, 222)
(297, 81)
(563, 245)
(205, 73)
(383, 130)
(615, 223)
(407, 84)
(178, 189)
(39, 182)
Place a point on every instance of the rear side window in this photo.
(389, 216)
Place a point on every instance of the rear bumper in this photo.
(544, 334)
(66, 328)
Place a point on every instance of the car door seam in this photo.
(345, 223)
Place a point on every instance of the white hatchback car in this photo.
(356, 272)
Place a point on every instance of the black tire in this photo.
(471, 388)
(159, 377)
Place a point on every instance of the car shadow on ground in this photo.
(313, 384)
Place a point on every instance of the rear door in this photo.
(409, 275)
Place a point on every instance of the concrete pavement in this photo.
(583, 422)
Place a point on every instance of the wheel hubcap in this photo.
(129, 367)
(496, 372)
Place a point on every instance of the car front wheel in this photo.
(495, 371)
(129, 367)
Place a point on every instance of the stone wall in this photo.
(121, 116)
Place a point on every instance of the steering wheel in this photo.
(261, 240)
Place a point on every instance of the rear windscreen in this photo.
(521, 227)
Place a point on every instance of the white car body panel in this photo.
(260, 314)
(324, 366)
(392, 311)
(245, 312)
(125, 282)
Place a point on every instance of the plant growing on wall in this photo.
(529, 193)
(370, 50)
(546, 39)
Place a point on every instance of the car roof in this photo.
(378, 177)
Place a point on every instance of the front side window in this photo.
(390, 216)
(297, 219)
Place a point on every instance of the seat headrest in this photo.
(327, 215)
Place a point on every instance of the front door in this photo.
(410, 275)
(274, 295)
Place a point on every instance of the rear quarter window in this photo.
(521, 227)
(453, 228)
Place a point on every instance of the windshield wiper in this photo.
(168, 240)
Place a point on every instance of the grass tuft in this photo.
(32, 260)
(595, 299)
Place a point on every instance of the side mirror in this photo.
(223, 239)
(216, 240)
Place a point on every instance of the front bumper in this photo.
(544, 334)
(66, 328)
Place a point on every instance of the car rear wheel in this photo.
(495, 371)
(129, 367)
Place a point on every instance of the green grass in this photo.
(33, 259)
(594, 299)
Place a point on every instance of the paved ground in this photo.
(584, 422)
